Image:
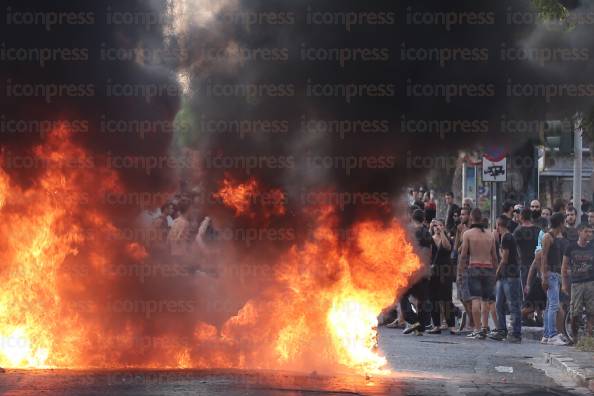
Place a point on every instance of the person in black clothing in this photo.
(537, 217)
(440, 284)
(526, 236)
(451, 208)
(578, 261)
(508, 289)
(508, 211)
(418, 321)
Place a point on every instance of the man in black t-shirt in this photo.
(526, 236)
(508, 289)
(578, 265)
(508, 211)
(451, 208)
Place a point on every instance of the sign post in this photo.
(494, 170)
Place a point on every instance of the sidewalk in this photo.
(576, 364)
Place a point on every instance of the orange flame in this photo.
(244, 198)
(316, 312)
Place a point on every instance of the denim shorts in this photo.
(481, 283)
(462, 287)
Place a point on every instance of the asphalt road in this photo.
(427, 365)
(474, 367)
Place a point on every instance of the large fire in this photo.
(316, 311)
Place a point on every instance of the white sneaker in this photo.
(557, 340)
(544, 340)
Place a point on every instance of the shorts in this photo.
(582, 295)
(462, 287)
(481, 283)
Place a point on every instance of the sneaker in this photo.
(414, 327)
(557, 340)
(434, 330)
(544, 340)
(395, 325)
(512, 339)
(477, 335)
(497, 335)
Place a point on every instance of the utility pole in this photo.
(577, 166)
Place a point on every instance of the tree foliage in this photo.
(550, 10)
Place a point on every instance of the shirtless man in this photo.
(478, 254)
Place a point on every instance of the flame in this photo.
(245, 198)
(37, 236)
(316, 310)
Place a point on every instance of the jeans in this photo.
(550, 314)
(509, 291)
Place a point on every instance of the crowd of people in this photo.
(532, 265)
(178, 233)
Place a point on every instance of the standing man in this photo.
(419, 290)
(578, 266)
(462, 278)
(508, 211)
(537, 218)
(591, 217)
(478, 250)
(179, 234)
(571, 232)
(526, 236)
(508, 289)
(451, 207)
(553, 247)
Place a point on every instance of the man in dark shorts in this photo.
(508, 289)
(478, 250)
(578, 261)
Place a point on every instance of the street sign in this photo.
(494, 169)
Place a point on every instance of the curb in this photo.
(532, 333)
(584, 376)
